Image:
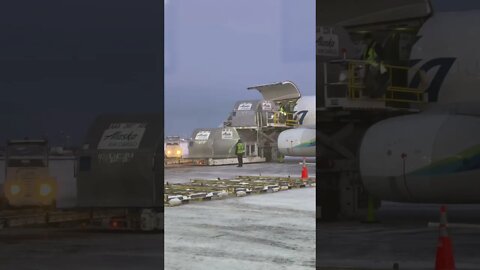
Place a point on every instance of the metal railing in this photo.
(394, 92)
(282, 119)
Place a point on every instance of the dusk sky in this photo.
(215, 49)
(64, 62)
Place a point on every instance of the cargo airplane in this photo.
(298, 141)
(432, 156)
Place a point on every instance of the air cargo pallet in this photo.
(214, 189)
(176, 162)
(226, 161)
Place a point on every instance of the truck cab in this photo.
(27, 178)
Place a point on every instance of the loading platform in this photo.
(345, 87)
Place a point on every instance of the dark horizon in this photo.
(63, 63)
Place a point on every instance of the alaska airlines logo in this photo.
(326, 42)
(300, 116)
(444, 64)
(122, 136)
(118, 135)
(244, 106)
(202, 135)
(227, 134)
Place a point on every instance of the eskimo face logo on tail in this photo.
(300, 116)
(444, 64)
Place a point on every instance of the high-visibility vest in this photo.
(240, 148)
(370, 55)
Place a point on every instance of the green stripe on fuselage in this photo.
(466, 160)
(305, 144)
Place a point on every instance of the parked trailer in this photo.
(120, 168)
(119, 178)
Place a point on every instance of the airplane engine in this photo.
(297, 142)
(423, 158)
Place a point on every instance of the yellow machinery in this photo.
(287, 119)
(27, 178)
(394, 92)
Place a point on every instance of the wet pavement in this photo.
(402, 236)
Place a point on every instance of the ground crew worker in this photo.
(283, 114)
(374, 68)
(239, 151)
(372, 52)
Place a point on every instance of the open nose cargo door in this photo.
(281, 91)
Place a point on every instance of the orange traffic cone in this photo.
(304, 170)
(444, 260)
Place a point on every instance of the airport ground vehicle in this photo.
(173, 150)
(27, 178)
(120, 169)
(119, 180)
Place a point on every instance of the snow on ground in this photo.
(268, 231)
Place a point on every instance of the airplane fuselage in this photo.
(433, 156)
(300, 141)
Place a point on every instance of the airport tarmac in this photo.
(74, 249)
(184, 174)
(402, 236)
(268, 231)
